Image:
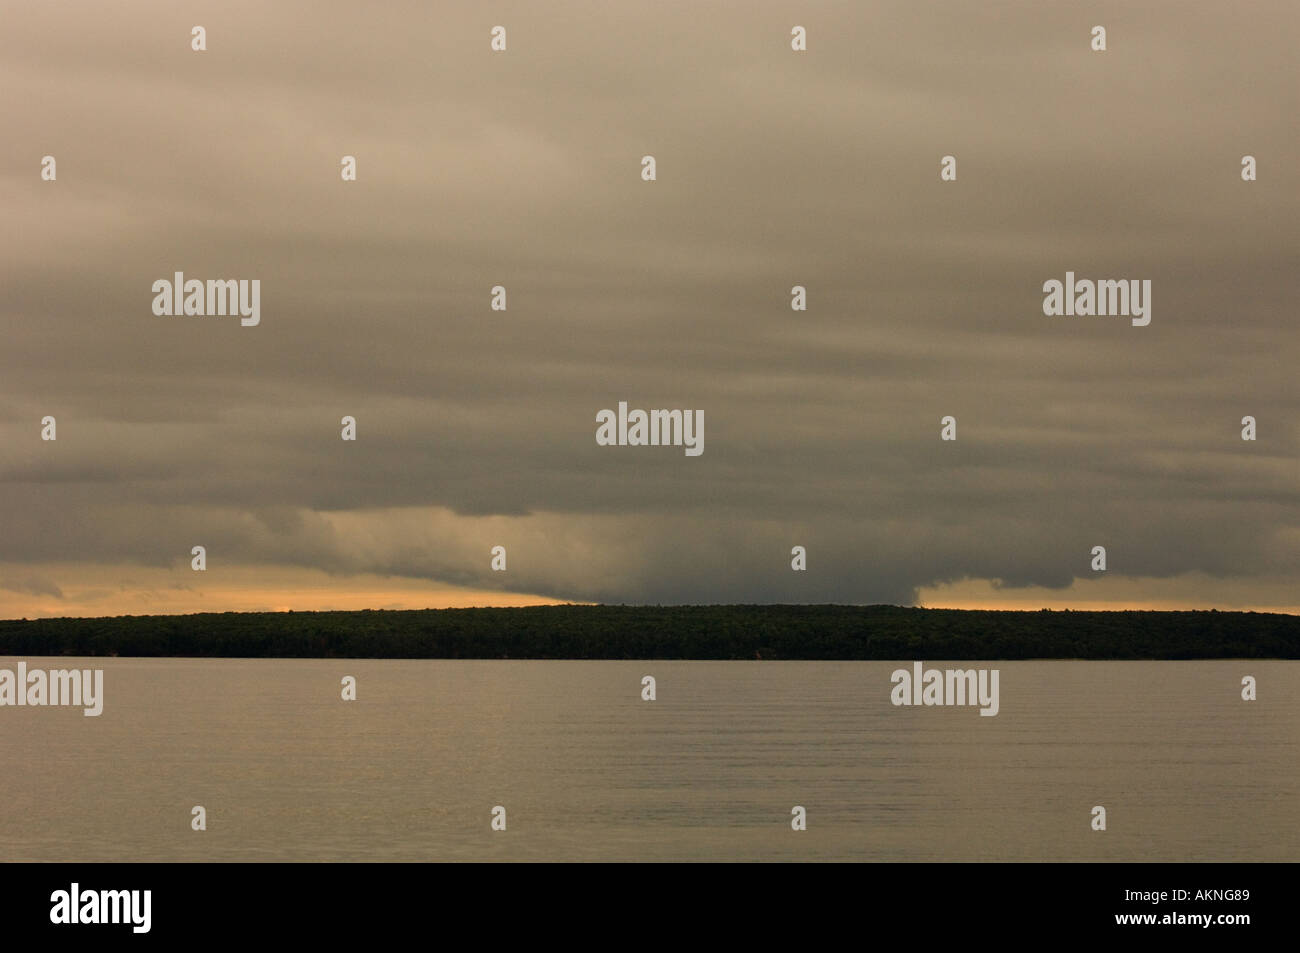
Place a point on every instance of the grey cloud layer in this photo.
(521, 169)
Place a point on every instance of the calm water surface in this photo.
(709, 771)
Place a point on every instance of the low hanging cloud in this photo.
(477, 427)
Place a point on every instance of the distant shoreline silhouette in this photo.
(753, 632)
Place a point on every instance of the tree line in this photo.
(770, 632)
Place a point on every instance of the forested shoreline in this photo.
(668, 632)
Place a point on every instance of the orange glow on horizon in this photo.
(89, 591)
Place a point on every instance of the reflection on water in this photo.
(708, 771)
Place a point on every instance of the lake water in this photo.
(709, 771)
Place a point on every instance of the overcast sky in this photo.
(476, 428)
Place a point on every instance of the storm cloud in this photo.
(522, 169)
